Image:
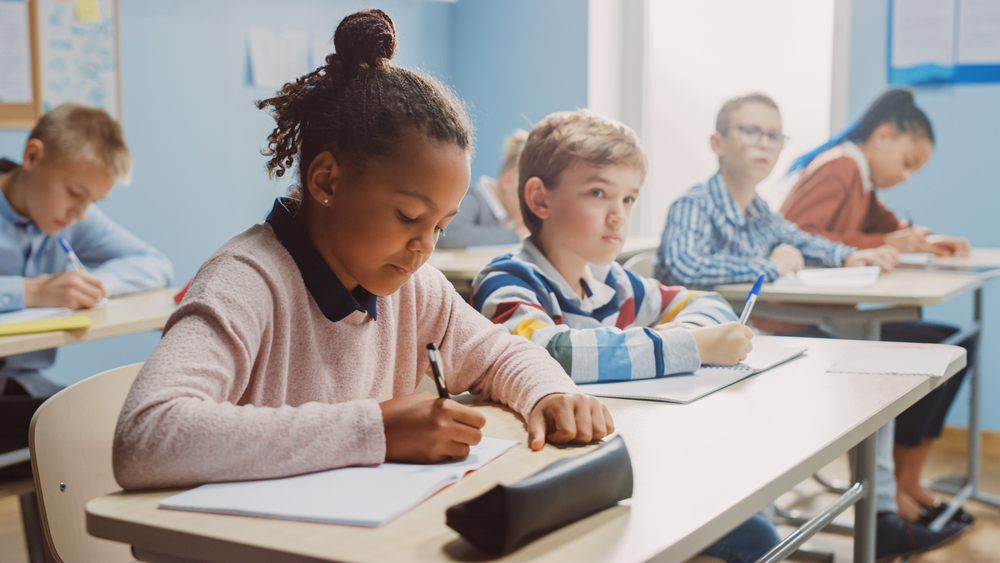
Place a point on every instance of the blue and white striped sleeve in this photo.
(814, 248)
(687, 239)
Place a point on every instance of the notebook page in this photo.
(34, 314)
(357, 496)
(899, 361)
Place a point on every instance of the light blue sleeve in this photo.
(122, 261)
(11, 293)
(814, 248)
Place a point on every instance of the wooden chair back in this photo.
(70, 439)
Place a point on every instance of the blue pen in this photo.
(751, 299)
(73, 259)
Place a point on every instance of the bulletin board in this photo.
(944, 41)
(74, 56)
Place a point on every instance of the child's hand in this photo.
(910, 239)
(885, 257)
(949, 246)
(788, 258)
(723, 345)
(422, 428)
(73, 289)
(568, 417)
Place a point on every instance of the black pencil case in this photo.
(509, 516)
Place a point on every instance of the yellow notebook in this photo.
(45, 325)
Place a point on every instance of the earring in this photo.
(326, 201)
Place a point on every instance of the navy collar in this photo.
(333, 299)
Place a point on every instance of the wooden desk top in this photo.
(912, 288)
(464, 264)
(687, 492)
(148, 310)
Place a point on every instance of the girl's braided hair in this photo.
(357, 105)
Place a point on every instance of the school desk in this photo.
(700, 470)
(903, 293)
(123, 315)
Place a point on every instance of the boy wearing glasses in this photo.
(722, 232)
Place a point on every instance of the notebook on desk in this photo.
(355, 496)
(686, 388)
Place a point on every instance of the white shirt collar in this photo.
(593, 276)
(854, 151)
(485, 185)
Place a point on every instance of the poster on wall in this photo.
(79, 53)
(944, 41)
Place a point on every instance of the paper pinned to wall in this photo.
(979, 32)
(277, 58)
(923, 33)
(88, 11)
(15, 54)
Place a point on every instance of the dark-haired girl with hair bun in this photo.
(301, 340)
(836, 197)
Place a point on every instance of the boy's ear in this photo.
(34, 150)
(716, 142)
(536, 197)
(322, 177)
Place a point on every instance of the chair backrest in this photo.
(641, 264)
(70, 439)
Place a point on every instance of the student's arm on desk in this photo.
(121, 260)
(485, 359)
(814, 248)
(182, 424)
(687, 240)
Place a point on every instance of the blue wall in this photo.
(196, 136)
(517, 61)
(956, 192)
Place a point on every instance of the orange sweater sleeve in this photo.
(820, 197)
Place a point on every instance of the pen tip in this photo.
(431, 346)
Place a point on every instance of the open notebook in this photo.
(356, 496)
(685, 388)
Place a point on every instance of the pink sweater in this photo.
(251, 381)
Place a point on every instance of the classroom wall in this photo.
(955, 193)
(516, 61)
(196, 136)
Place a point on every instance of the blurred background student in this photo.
(490, 213)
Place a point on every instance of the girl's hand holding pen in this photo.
(421, 428)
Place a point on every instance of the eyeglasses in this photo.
(754, 135)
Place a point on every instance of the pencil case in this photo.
(509, 516)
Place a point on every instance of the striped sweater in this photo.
(605, 336)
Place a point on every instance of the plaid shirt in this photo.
(708, 241)
(606, 335)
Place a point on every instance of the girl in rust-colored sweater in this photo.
(835, 197)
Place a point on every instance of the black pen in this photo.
(432, 351)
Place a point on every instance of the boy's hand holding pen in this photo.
(75, 289)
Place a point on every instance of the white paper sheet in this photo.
(923, 32)
(33, 313)
(900, 361)
(356, 496)
(978, 32)
(15, 54)
(837, 278)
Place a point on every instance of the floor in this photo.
(981, 544)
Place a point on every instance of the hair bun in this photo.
(368, 36)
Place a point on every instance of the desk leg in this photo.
(864, 510)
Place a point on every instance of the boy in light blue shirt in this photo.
(73, 158)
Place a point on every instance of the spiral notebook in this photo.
(686, 388)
